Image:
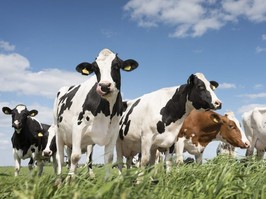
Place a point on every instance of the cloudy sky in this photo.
(41, 42)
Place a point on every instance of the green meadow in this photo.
(220, 177)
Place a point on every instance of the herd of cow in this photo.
(170, 120)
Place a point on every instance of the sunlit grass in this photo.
(217, 178)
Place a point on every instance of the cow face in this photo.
(232, 133)
(202, 94)
(19, 115)
(107, 69)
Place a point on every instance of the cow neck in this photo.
(209, 134)
(175, 108)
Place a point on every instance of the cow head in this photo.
(231, 131)
(19, 115)
(107, 69)
(202, 94)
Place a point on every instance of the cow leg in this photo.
(89, 160)
(31, 164)
(168, 160)
(75, 157)
(59, 154)
(146, 144)
(198, 157)
(260, 154)
(17, 162)
(129, 162)
(40, 167)
(54, 162)
(179, 149)
(108, 157)
(153, 154)
(119, 155)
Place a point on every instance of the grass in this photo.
(217, 178)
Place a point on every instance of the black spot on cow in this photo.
(174, 108)
(95, 104)
(66, 102)
(160, 127)
(126, 121)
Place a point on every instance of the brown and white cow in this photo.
(200, 128)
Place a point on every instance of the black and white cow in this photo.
(29, 138)
(154, 120)
(89, 113)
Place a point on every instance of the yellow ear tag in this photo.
(215, 120)
(127, 68)
(85, 71)
(40, 134)
(213, 87)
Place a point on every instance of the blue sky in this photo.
(41, 42)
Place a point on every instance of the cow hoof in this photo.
(58, 182)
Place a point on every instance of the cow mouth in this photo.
(102, 92)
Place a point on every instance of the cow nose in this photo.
(47, 153)
(16, 125)
(247, 144)
(218, 104)
(105, 87)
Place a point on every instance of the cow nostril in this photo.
(218, 104)
(105, 87)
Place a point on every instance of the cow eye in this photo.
(231, 126)
(201, 87)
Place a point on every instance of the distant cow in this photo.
(226, 149)
(154, 120)
(254, 123)
(29, 138)
(200, 128)
(89, 113)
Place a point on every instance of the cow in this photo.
(254, 122)
(200, 128)
(29, 137)
(153, 120)
(89, 113)
(50, 150)
(226, 149)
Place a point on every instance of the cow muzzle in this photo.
(103, 88)
(47, 153)
(217, 105)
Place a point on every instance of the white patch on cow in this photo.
(231, 116)
(20, 108)
(192, 148)
(104, 61)
(208, 88)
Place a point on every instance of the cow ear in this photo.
(6, 110)
(33, 113)
(191, 79)
(85, 68)
(214, 85)
(129, 65)
(215, 118)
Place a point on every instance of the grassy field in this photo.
(217, 178)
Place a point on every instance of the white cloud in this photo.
(17, 77)
(255, 96)
(6, 46)
(263, 37)
(249, 107)
(258, 86)
(194, 17)
(260, 49)
(227, 86)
